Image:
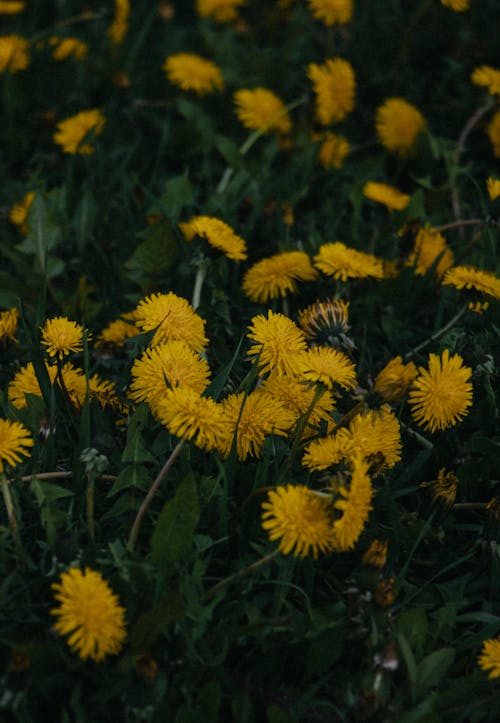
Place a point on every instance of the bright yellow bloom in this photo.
(487, 77)
(376, 436)
(165, 366)
(430, 246)
(398, 124)
(300, 519)
(11, 7)
(393, 381)
(173, 318)
(252, 419)
(327, 451)
(342, 262)
(333, 151)
(457, 5)
(444, 488)
(493, 131)
(25, 382)
(118, 28)
(277, 275)
(8, 325)
(493, 186)
(218, 234)
(14, 442)
(90, 613)
(327, 366)
(355, 504)
(104, 392)
(278, 343)
(19, 212)
(298, 397)
(331, 12)
(376, 554)
(489, 658)
(260, 109)
(442, 394)
(71, 133)
(221, 10)
(68, 47)
(390, 196)
(117, 332)
(334, 85)
(190, 416)
(14, 53)
(469, 277)
(61, 336)
(192, 72)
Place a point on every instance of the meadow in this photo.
(249, 337)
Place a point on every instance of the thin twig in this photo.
(438, 334)
(241, 573)
(57, 475)
(459, 223)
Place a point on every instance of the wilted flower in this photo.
(376, 554)
(326, 323)
(385, 592)
(444, 488)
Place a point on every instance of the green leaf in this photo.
(433, 668)
(135, 451)
(173, 536)
(179, 192)
(151, 624)
(157, 252)
(135, 475)
(413, 624)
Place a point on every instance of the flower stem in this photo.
(438, 334)
(7, 498)
(134, 532)
(241, 573)
(198, 284)
(90, 509)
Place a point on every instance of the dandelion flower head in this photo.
(89, 613)
(72, 132)
(343, 263)
(117, 331)
(333, 150)
(68, 48)
(8, 325)
(469, 277)
(430, 250)
(277, 275)
(60, 336)
(442, 394)
(393, 381)
(327, 366)
(192, 72)
(14, 53)
(222, 11)
(218, 234)
(398, 124)
(15, 441)
(299, 397)
(300, 519)
(119, 27)
(493, 187)
(277, 342)
(354, 504)
(376, 437)
(326, 323)
(459, 6)
(262, 110)
(173, 318)
(489, 658)
(331, 12)
(188, 415)
(19, 211)
(444, 488)
(327, 451)
(334, 86)
(390, 196)
(487, 77)
(11, 7)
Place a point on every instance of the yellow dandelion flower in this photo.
(72, 133)
(74, 384)
(68, 48)
(376, 436)
(222, 11)
(469, 277)
(327, 366)
(328, 451)
(444, 488)
(15, 440)
(355, 504)
(259, 109)
(376, 554)
(278, 343)
(11, 7)
(442, 394)
(89, 613)
(61, 336)
(334, 86)
(326, 323)
(116, 333)
(173, 318)
(218, 234)
(390, 196)
(398, 124)
(393, 382)
(342, 262)
(19, 212)
(331, 12)
(430, 250)
(299, 397)
(252, 419)
(165, 366)
(8, 325)
(277, 276)
(300, 519)
(188, 415)
(493, 131)
(104, 392)
(487, 77)
(119, 27)
(192, 72)
(14, 53)
(477, 307)
(457, 5)
(333, 150)
(24, 383)
(493, 187)
(489, 658)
